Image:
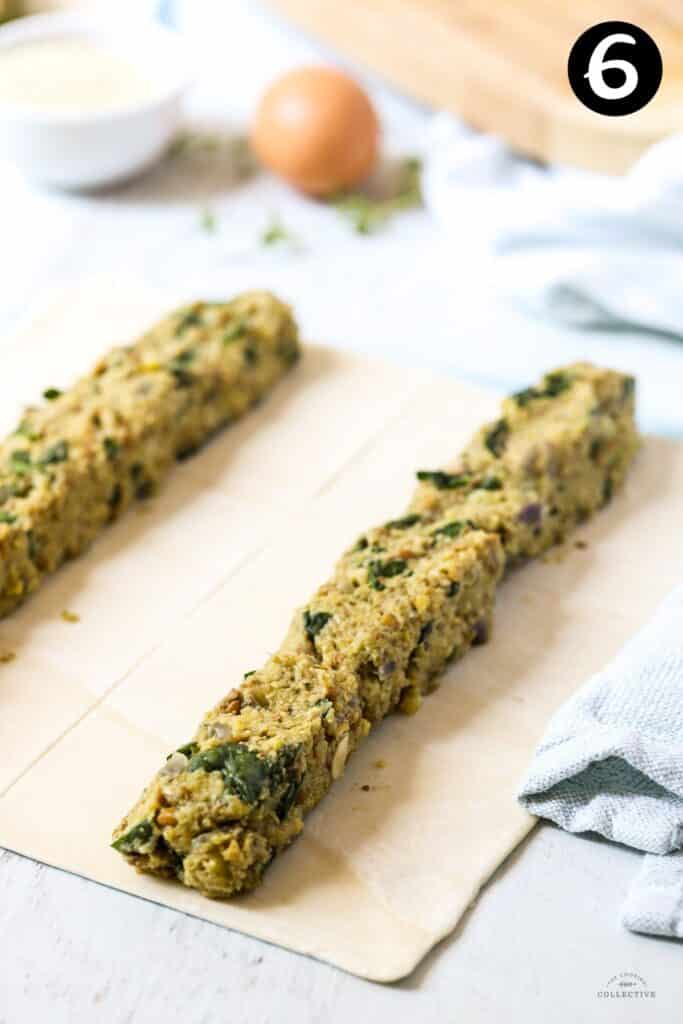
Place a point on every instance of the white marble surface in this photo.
(545, 937)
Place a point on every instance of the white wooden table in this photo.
(544, 939)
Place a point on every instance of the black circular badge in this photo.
(615, 68)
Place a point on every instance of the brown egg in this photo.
(317, 129)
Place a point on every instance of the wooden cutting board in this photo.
(502, 66)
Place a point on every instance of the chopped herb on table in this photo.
(68, 616)
(208, 221)
(50, 394)
(367, 213)
(275, 233)
(232, 150)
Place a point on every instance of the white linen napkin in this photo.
(583, 249)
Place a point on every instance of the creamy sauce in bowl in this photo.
(71, 75)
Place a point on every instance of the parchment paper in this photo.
(184, 595)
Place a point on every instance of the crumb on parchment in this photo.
(6, 657)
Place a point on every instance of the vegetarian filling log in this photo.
(76, 462)
(407, 598)
(556, 454)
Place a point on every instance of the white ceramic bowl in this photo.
(87, 150)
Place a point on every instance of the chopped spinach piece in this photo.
(361, 544)
(452, 529)
(444, 481)
(188, 749)
(283, 774)
(373, 578)
(607, 489)
(250, 673)
(114, 499)
(314, 622)
(178, 367)
(378, 570)
(526, 395)
(20, 461)
(425, 631)
(135, 838)
(21, 487)
(368, 213)
(144, 487)
(489, 483)
(235, 331)
(453, 588)
(56, 453)
(555, 384)
(496, 438)
(189, 319)
(51, 393)
(187, 452)
(111, 448)
(404, 523)
(7, 517)
(251, 355)
(286, 801)
(288, 350)
(144, 490)
(244, 772)
(25, 430)
(32, 545)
